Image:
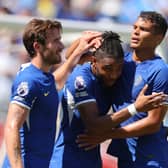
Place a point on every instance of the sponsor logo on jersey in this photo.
(138, 80)
(46, 94)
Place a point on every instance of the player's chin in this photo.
(134, 45)
(109, 83)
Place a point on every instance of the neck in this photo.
(140, 56)
(37, 62)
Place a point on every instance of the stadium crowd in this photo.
(88, 10)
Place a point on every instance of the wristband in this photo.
(132, 110)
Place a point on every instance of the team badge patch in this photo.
(138, 80)
(23, 89)
(80, 83)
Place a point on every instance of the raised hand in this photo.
(90, 40)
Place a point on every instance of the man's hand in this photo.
(89, 141)
(145, 103)
(90, 40)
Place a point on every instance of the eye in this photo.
(134, 26)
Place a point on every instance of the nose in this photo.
(113, 76)
(136, 31)
(61, 45)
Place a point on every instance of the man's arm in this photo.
(97, 124)
(147, 125)
(71, 48)
(15, 119)
(79, 47)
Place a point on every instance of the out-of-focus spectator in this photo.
(46, 8)
(120, 11)
(5, 10)
(109, 10)
(11, 58)
(84, 10)
(131, 8)
(63, 9)
(21, 7)
(162, 7)
(26, 7)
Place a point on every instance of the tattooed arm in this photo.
(15, 118)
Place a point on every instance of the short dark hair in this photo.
(36, 30)
(158, 21)
(110, 47)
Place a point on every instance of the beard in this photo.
(50, 57)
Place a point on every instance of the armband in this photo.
(132, 110)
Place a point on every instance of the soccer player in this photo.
(31, 120)
(140, 141)
(86, 101)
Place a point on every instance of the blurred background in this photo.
(75, 16)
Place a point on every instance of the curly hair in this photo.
(110, 47)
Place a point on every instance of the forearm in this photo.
(106, 123)
(15, 119)
(139, 128)
(65, 69)
(71, 49)
(12, 140)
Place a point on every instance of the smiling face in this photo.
(108, 70)
(143, 35)
(51, 51)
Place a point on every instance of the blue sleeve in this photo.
(82, 88)
(160, 82)
(24, 92)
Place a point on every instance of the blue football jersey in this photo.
(81, 87)
(148, 150)
(36, 91)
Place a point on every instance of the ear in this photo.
(93, 59)
(36, 45)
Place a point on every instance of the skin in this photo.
(143, 41)
(90, 112)
(74, 55)
(96, 41)
(108, 70)
(15, 118)
(45, 57)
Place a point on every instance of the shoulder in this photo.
(25, 77)
(81, 70)
(81, 77)
(158, 64)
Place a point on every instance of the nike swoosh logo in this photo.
(46, 94)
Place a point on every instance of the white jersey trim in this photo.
(85, 101)
(21, 104)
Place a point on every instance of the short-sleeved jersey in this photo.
(148, 150)
(81, 87)
(36, 91)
